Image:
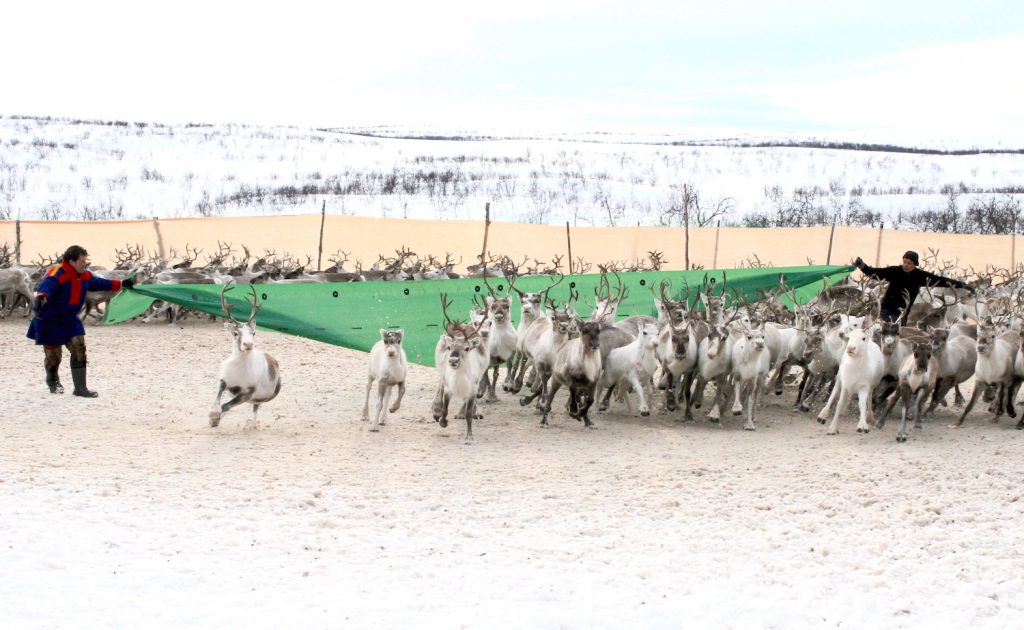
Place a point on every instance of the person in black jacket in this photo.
(905, 282)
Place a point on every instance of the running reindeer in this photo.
(249, 374)
(388, 367)
(461, 358)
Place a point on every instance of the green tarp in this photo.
(352, 314)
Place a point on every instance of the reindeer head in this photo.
(590, 333)
(922, 356)
(244, 333)
(392, 341)
(856, 341)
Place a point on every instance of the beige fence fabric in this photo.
(366, 238)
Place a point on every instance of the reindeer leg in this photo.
(380, 409)
(905, 396)
(254, 424)
(751, 401)
(446, 399)
(470, 412)
(492, 394)
(552, 387)
(437, 407)
(866, 413)
(644, 409)
(588, 399)
(216, 411)
(881, 422)
(606, 401)
(844, 400)
(832, 398)
(398, 400)
(970, 405)
(685, 384)
(668, 383)
(366, 401)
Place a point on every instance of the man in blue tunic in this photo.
(59, 298)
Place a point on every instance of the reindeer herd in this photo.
(832, 349)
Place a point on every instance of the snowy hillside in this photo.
(83, 170)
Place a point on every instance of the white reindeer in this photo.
(631, 365)
(540, 346)
(714, 361)
(15, 282)
(461, 359)
(751, 361)
(994, 368)
(249, 374)
(388, 367)
(860, 371)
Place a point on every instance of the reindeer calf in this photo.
(388, 367)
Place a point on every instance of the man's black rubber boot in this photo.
(78, 378)
(53, 381)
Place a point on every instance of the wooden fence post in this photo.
(568, 242)
(159, 239)
(320, 246)
(714, 260)
(878, 248)
(831, 235)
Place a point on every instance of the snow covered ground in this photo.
(128, 511)
(72, 170)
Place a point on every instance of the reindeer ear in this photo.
(400, 333)
(383, 333)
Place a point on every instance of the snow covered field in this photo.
(65, 170)
(128, 511)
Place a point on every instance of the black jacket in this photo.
(899, 281)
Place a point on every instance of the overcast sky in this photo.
(799, 66)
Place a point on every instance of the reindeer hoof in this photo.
(645, 413)
(737, 412)
(901, 438)
(374, 429)
(750, 428)
(860, 430)
(821, 420)
(443, 422)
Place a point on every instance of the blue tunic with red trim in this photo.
(57, 322)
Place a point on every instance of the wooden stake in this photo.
(568, 243)
(320, 247)
(878, 248)
(487, 228)
(831, 235)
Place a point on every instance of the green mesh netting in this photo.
(352, 314)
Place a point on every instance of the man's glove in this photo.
(127, 283)
(858, 263)
(39, 302)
